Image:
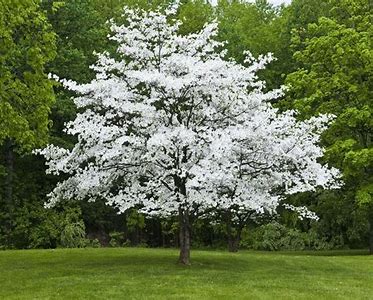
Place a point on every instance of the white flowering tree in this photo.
(256, 162)
(172, 128)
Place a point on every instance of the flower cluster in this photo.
(171, 124)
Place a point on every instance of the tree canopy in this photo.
(174, 129)
(335, 76)
(26, 94)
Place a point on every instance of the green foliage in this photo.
(135, 224)
(73, 230)
(80, 28)
(145, 4)
(26, 223)
(43, 234)
(135, 220)
(194, 14)
(246, 27)
(336, 77)
(30, 226)
(208, 234)
(260, 28)
(94, 243)
(116, 239)
(170, 230)
(274, 237)
(33, 226)
(27, 44)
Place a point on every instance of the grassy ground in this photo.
(132, 273)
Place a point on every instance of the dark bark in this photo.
(234, 238)
(9, 179)
(233, 234)
(371, 234)
(233, 243)
(184, 220)
(184, 236)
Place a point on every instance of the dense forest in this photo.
(324, 57)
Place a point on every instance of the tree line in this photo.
(324, 57)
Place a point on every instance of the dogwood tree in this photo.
(172, 128)
(254, 164)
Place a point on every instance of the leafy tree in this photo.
(256, 27)
(245, 27)
(81, 28)
(194, 15)
(174, 129)
(336, 60)
(300, 13)
(27, 44)
(291, 27)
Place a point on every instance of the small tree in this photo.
(173, 128)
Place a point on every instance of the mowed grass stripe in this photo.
(138, 273)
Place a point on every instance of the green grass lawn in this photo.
(136, 273)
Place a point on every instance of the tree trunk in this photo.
(371, 234)
(184, 237)
(9, 164)
(233, 234)
(233, 243)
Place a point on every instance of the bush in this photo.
(116, 239)
(94, 243)
(30, 226)
(33, 226)
(73, 232)
(314, 242)
(274, 237)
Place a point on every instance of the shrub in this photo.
(93, 243)
(275, 236)
(116, 239)
(30, 226)
(73, 232)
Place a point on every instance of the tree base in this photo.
(233, 244)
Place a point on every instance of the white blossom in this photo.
(171, 124)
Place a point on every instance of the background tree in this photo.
(81, 28)
(194, 15)
(291, 25)
(27, 44)
(336, 61)
(257, 27)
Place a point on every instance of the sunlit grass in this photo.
(136, 273)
